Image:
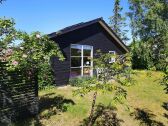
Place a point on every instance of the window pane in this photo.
(87, 47)
(76, 46)
(86, 52)
(75, 52)
(112, 52)
(86, 71)
(75, 61)
(75, 72)
(86, 61)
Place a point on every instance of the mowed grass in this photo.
(145, 100)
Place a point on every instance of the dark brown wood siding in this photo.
(93, 35)
(18, 95)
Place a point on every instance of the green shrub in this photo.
(79, 81)
(45, 76)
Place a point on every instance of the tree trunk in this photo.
(92, 109)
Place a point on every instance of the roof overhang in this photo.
(111, 32)
(102, 23)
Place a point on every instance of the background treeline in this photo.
(148, 20)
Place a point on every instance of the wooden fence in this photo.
(18, 95)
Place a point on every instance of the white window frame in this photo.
(112, 59)
(82, 57)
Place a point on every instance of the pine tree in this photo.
(117, 22)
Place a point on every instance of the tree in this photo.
(150, 26)
(141, 56)
(8, 34)
(118, 71)
(117, 22)
(28, 56)
(33, 52)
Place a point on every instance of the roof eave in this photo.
(109, 30)
(104, 25)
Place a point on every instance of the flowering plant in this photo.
(30, 53)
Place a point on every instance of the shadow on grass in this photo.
(146, 117)
(49, 105)
(164, 82)
(103, 116)
(29, 122)
(165, 106)
(166, 88)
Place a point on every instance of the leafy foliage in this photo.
(33, 50)
(34, 53)
(8, 34)
(104, 116)
(45, 80)
(141, 56)
(78, 82)
(31, 53)
(119, 71)
(112, 78)
(149, 22)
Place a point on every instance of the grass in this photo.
(58, 107)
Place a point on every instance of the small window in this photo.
(112, 59)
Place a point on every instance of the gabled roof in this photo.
(84, 24)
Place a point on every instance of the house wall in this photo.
(93, 35)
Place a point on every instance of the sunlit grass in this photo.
(146, 94)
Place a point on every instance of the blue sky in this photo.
(48, 16)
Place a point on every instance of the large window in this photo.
(81, 63)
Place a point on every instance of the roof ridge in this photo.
(84, 24)
(72, 27)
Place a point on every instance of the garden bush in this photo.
(79, 81)
(45, 76)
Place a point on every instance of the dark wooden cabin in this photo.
(80, 42)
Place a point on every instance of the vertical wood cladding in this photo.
(93, 35)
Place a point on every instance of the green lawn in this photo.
(58, 107)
